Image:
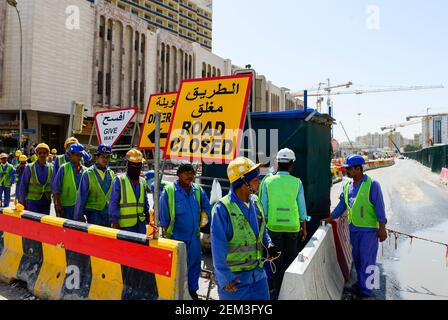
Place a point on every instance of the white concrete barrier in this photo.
(315, 274)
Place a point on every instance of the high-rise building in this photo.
(188, 19)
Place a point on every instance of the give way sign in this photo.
(111, 124)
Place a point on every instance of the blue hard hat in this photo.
(86, 156)
(76, 148)
(354, 160)
(104, 149)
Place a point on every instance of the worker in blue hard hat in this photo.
(59, 160)
(34, 190)
(239, 237)
(362, 198)
(94, 190)
(283, 198)
(184, 210)
(65, 184)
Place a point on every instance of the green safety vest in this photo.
(260, 188)
(69, 188)
(97, 199)
(362, 214)
(61, 160)
(33, 158)
(245, 251)
(283, 211)
(36, 190)
(170, 190)
(130, 207)
(5, 179)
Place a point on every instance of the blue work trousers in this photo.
(41, 206)
(7, 196)
(255, 291)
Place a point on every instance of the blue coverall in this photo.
(186, 226)
(41, 206)
(253, 284)
(6, 190)
(56, 166)
(364, 240)
(57, 188)
(114, 206)
(100, 218)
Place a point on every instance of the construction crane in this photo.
(427, 118)
(393, 128)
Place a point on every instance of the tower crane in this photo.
(392, 128)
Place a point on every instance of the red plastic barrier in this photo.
(444, 175)
(343, 246)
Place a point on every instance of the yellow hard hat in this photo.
(239, 168)
(18, 153)
(23, 158)
(3, 156)
(70, 141)
(42, 146)
(134, 156)
(54, 151)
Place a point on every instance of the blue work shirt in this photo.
(42, 176)
(83, 193)
(56, 166)
(115, 197)
(3, 169)
(222, 232)
(376, 198)
(56, 185)
(300, 200)
(187, 211)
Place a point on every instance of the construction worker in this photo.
(35, 183)
(53, 155)
(94, 190)
(238, 236)
(63, 158)
(66, 183)
(7, 179)
(181, 206)
(128, 206)
(283, 200)
(363, 199)
(19, 172)
(16, 161)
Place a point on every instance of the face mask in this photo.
(134, 172)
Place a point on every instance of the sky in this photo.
(377, 43)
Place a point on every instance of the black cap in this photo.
(185, 167)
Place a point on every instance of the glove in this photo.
(273, 251)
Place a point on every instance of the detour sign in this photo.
(208, 119)
(165, 103)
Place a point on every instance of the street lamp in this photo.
(13, 3)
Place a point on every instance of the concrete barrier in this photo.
(315, 274)
(60, 259)
(343, 245)
(444, 176)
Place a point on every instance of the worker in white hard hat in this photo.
(128, 205)
(283, 199)
(239, 237)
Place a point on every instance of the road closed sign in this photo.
(111, 124)
(208, 119)
(165, 103)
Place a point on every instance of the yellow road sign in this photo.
(209, 118)
(164, 102)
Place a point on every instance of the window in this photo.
(109, 34)
(101, 31)
(100, 82)
(108, 84)
(438, 131)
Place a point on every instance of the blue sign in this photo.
(29, 131)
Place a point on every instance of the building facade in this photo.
(435, 130)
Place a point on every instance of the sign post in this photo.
(111, 124)
(208, 119)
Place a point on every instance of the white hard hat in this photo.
(286, 156)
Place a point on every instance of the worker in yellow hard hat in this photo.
(63, 158)
(35, 187)
(7, 178)
(19, 172)
(52, 155)
(238, 236)
(15, 162)
(128, 206)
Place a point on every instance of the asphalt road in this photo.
(416, 204)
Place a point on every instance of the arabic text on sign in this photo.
(220, 91)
